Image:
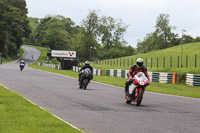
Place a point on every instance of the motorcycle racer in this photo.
(138, 67)
(87, 65)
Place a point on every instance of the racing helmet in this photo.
(139, 62)
(87, 63)
(22, 60)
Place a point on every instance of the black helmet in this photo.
(139, 62)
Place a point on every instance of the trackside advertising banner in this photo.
(58, 53)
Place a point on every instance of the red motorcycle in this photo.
(136, 89)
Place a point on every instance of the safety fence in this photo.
(49, 65)
(160, 77)
(193, 79)
(186, 61)
(97, 72)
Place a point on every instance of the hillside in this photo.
(9, 59)
(163, 60)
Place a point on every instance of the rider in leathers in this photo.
(22, 63)
(87, 65)
(138, 67)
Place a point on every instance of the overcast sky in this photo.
(141, 15)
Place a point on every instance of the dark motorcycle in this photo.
(21, 66)
(136, 89)
(85, 78)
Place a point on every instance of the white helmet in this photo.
(87, 62)
(22, 60)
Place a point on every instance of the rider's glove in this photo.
(130, 78)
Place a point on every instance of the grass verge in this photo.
(12, 58)
(19, 115)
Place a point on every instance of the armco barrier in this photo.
(155, 76)
(166, 77)
(49, 65)
(117, 73)
(193, 79)
(160, 77)
(150, 75)
(97, 72)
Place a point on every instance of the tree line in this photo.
(98, 37)
(14, 26)
(163, 37)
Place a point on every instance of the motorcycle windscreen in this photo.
(141, 77)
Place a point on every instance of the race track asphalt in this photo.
(101, 108)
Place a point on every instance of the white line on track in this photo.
(45, 110)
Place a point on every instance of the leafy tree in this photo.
(57, 39)
(197, 39)
(34, 23)
(187, 39)
(90, 27)
(111, 32)
(105, 31)
(100, 37)
(13, 25)
(161, 38)
(163, 30)
(55, 32)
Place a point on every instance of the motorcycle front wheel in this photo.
(85, 83)
(21, 68)
(138, 99)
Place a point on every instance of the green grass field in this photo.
(20, 116)
(173, 52)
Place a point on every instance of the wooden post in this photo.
(110, 62)
(120, 62)
(163, 62)
(132, 61)
(195, 60)
(157, 62)
(128, 63)
(186, 61)
(151, 62)
(178, 61)
(171, 61)
(146, 62)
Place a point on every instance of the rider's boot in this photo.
(79, 78)
(126, 89)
